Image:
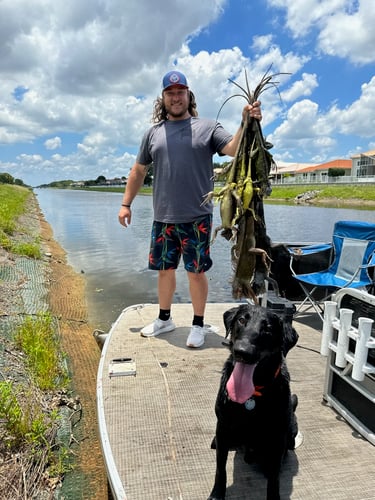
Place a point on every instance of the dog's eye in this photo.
(242, 320)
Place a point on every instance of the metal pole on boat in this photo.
(361, 349)
(327, 332)
(343, 337)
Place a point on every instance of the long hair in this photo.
(160, 113)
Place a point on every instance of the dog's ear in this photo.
(228, 318)
(290, 336)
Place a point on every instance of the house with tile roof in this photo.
(308, 173)
(320, 173)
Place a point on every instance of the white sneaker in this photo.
(157, 327)
(196, 336)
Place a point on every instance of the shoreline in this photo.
(67, 302)
(329, 202)
(60, 291)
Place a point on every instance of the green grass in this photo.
(31, 426)
(31, 250)
(36, 337)
(341, 192)
(25, 420)
(23, 416)
(13, 204)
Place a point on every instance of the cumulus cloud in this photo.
(356, 26)
(357, 118)
(302, 15)
(345, 26)
(53, 143)
(308, 131)
(303, 87)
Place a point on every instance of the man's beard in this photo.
(176, 114)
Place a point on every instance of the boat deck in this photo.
(156, 427)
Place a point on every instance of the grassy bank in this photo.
(34, 375)
(13, 204)
(326, 192)
(31, 411)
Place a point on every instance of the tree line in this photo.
(6, 178)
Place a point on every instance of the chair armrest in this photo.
(299, 252)
(309, 249)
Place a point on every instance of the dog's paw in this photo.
(217, 493)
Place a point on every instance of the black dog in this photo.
(254, 406)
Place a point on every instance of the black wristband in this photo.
(125, 205)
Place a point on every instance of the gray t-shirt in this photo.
(181, 152)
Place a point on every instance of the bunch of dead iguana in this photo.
(241, 202)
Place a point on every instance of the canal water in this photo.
(114, 259)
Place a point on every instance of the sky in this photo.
(78, 78)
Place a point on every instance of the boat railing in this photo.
(348, 342)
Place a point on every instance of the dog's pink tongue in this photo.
(240, 385)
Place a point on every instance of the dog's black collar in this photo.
(251, 402)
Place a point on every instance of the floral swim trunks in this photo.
(189, 239)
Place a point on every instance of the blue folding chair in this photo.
(353, 254)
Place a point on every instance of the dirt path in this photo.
(67, 302)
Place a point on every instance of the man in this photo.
(180, 147)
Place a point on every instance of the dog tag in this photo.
(250, 404)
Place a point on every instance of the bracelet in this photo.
(125, 205)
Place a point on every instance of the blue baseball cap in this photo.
(174, 78)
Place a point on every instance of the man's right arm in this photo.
(134, 183)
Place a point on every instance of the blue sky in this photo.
(78, 79)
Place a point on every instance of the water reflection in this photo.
(114, 259)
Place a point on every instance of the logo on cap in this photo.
(174, 78)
